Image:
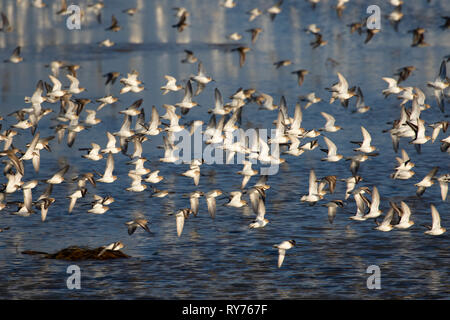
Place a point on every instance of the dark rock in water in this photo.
(75, 253)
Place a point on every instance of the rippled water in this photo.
(222, 258)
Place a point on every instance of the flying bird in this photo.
(134, 224)
(282, 247)
(242, 54)
(435, 229)
(15, 57)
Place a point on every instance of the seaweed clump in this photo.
(75, 253)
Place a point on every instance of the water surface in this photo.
(222, 258)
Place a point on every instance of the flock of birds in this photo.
(76, 114)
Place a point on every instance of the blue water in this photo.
(222, 258)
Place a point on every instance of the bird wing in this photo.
(298, 117)
(261, 210)
(360, 99)
(72, 203)
(5, 22)
(188, 92)
(241, 57)
(201, 70)
(332, 149)
(155, 121)
(27, 200)
(32, 146)
(268, 103)
(431, 174)
(343, 84)
(436, 218)
(136, 179)
(170, 80)
(47, 192)
(392, 83)
(366, 137)
(295, 142)
(283, 109)
(388, 218)
(56, 83)
(406, 212)
(180, 223)
(254, 199)
(131, 228)
(74, 82)
(197, 177)
(44, 211)
(360, 204)
(111, 140)
(63, 171)
(16, 52)
(405, 156)
(109, 165)
(211, 202)
(281, 255)
(420, 128)
(329, 118)
(312, 183)
(218, 99)
(194, 205)
(36, 160)
(375, 199)
(331, 213)
(71, 135)
(18, 164)
(443, 71)
(143, 224)
(126, 123)
(444, 189)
